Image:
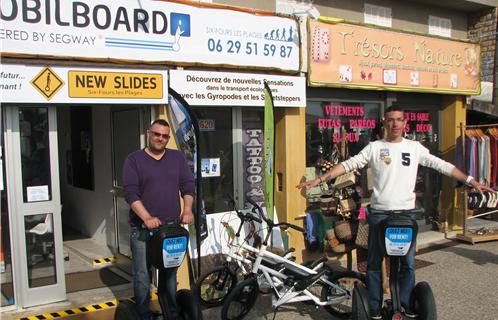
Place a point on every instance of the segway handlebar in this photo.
(397, 212)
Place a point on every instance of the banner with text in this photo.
(22, 83)
(148, 31)
(237, 89)
(356, 56)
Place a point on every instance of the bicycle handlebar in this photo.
(242, 216)
(271, 224)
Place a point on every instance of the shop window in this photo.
(80, 153)
(439, 26)
(378, 15)
(337, 130)
(216, 152)
(422, 126)
(35, 157)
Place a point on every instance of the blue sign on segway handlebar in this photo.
(398, 240)
(174, 250)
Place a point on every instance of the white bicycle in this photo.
(290, 282)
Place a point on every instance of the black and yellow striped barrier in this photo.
(98, 262)
(89, 308)
(69, 312)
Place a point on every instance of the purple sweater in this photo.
(157, 183)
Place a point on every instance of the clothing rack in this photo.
(466, 235)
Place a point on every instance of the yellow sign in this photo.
(359, 56)
(47, 83)
(115, 85)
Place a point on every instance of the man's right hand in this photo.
(152, 223)
(309, 184)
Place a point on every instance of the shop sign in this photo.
(345, 116)
(356, 56)
(36, 84)
(237, 89)
(155, 31)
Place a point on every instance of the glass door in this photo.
(128, 135)
(34, 204)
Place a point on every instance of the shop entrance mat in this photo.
(78, 281)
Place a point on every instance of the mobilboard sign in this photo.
(47, 84)
(153, 31)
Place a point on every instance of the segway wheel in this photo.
(361, 309)
(188, 305)
(422, 302)
(126, 310)
(240, 301)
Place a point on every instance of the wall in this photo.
(255, 4)
(290, 164)
(482, 29)
(405, 15)
(453, 113)
(89, 211)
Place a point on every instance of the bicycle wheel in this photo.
(214, 285)
(240, 301)
(346, 281)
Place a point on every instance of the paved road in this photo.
(464, 279)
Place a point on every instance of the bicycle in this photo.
(291, 282)
(216, 283)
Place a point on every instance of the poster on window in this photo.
(210, 167)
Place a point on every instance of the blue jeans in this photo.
(142, 277)
(406, 276)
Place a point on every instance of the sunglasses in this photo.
(157, 135)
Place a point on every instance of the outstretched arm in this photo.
(469, 180)
(331, 174)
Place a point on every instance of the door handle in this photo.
(112, 191)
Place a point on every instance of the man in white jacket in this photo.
(394, 162)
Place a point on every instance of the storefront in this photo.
(357, 71)
(75, 108)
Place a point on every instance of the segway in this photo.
(166, 249)
(397, 236)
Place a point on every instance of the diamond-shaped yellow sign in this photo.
(47, 83)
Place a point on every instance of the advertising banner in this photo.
(154, 31)
(46, 84)
(237, 89)
(357, 56)
(269, 151)
(184, 126)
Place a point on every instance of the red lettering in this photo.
(423, 127)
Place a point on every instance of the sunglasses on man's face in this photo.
(159, 135)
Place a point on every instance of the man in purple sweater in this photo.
(153, 179)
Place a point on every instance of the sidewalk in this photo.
(100, 297)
